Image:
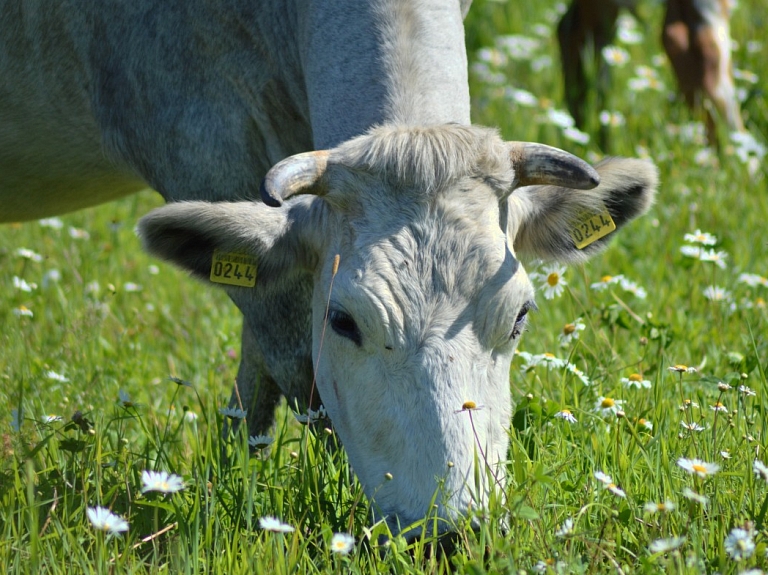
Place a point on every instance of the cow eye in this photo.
(521, 319)
(343, 324)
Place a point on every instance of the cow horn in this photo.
(540, 164)
(300, 173)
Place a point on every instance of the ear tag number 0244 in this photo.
(233, 269)
(589, 228)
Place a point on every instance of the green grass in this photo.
(147, 321)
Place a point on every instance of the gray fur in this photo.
(199, 98)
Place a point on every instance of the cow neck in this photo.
(382, 61)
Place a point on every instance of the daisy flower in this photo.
(23, 311)
(125, 399)
(29, 254)
(552, 282)
(104, 520)
(606, 281)
(636, 380)
(576, 135)
(53, 223)
(689, 493)
(616, 490)
(612, 119)
(746, 390)
(560, 118)
(50, 374)
(161, 481)
(311, 416)
(22, 285)
(665, 507)
(571, 331)
(666, 545)
(615, 56)
(693, 426)
(342, 543)
(699, 237)
(566, 415)
(78, 234)
(52, 418)
(233, 412)
(680, 368)
(717, 258)
(633, 288)
(644, 423)
(761, 470)
(698, 467)
(753, 280)
(608, 405)
(603, 478)
(718, 407)
(739, 544)
(275, 525)
(565, 529)
(260, 441)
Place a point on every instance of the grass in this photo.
(111, 319)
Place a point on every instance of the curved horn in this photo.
(294, 175)
(540, 164)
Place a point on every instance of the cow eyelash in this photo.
(520, 321)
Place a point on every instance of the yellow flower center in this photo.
(569, 328)
(699, 468)
(468, 405)
(635, 377)
(553, 279)
(607, 403)
(760, 302)
(549, 355)
(642, 421)
(566, 412)
(681, 367)
(606, 279)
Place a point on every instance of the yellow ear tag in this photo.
(233, 269)
(589, 228)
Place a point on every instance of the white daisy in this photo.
(636, 380)
(693, 426)
(29, 254)
(571, 331)
(698, 467)
(739, 544)
(566, 415)
(233, 412)
(666, 545)
(342, 543)
(689, 493)
(665, 507)
(606, 281)
(161, 481)
(753, 280)
(608, 405)
(565, 529)
(260, 441)
(760, 469)
(603, 478)
(275, 525)
(699, 237)
(104, 520)
(615, 56)
(552, 282)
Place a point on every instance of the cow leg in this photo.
(714, 42)
(572, 39)
(254, 390)
(586, 28)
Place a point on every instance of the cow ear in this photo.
(556, 223)
(277, 239)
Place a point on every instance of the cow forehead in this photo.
(431, 264)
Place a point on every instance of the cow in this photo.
(696, 37)
(319, 164)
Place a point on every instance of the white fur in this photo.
(428, 273)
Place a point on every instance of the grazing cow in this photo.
(697, 40)
(399, 234)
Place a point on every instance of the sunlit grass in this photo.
(112, 319)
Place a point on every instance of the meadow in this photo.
(639, 436)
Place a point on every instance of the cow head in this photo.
(410, 237)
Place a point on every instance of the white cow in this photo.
(406, 233)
